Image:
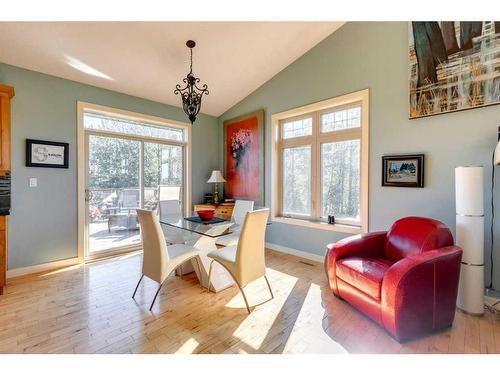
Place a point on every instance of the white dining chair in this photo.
(160, 260)
(246, 261)
(241, 207)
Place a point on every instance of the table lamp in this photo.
(215, 178)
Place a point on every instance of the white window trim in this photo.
(83, 107)
(359, 96)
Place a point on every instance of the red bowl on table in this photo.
(206, 215)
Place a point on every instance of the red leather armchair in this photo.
(405, 279)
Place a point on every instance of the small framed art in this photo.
(47, 154)
(403, 170)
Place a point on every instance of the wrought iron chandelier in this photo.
(191, 94)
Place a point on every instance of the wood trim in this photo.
(5, 134)
(6, 94)
(315, 140)
(365, 159)
(8, 90)
(341, 228)
(81, 158)
(22, 271)
(134, 116)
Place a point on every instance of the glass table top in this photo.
(211, 230)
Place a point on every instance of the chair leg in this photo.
(269, 286)
(135, 291)
(154, 299)
(245, 298)
(210, 275)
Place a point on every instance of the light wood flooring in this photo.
(88, 309)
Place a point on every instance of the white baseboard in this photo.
(42, 267)
(298, 253)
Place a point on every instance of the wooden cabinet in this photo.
(6, 94)
(224, 211)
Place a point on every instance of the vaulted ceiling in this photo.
(147, 59)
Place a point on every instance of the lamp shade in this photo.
(216, 177)
(497, 154)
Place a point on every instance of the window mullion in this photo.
(315, 168)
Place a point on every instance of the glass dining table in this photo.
(214, 228)
(202, 236)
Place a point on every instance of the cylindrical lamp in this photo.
(469, 188)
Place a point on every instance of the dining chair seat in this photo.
(226, 256)
(228, 240)
(180, 253)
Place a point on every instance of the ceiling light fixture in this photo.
(191, 94)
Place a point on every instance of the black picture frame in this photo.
(50, 164)
(412, 178)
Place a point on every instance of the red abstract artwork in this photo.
(242, 149)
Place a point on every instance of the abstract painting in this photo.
(453, 66)
(244, 157)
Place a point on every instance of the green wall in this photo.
(374, 55)
(43, 222)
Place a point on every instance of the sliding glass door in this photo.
(113, 193)
(124, 172)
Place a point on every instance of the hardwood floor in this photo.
(88, 309)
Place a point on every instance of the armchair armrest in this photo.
(419, 292)
(362, 245)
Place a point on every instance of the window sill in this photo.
(318, 225)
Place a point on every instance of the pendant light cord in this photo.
(492, 232)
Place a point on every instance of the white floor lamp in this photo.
(469, 188)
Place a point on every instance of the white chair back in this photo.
(155, 256)
(129, 198)
(240, 210)
(166, 193)
(250, 254)
(170, 208)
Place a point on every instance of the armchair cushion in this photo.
(362, 245)
(365, 274)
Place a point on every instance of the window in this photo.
(297, 128)
(320, 165)
(119, 125)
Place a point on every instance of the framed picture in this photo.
(452, 66)
(403, 170)
(244, 157)
(47, 154)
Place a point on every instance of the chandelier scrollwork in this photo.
(191, 93)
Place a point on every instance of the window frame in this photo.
(316, 140)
